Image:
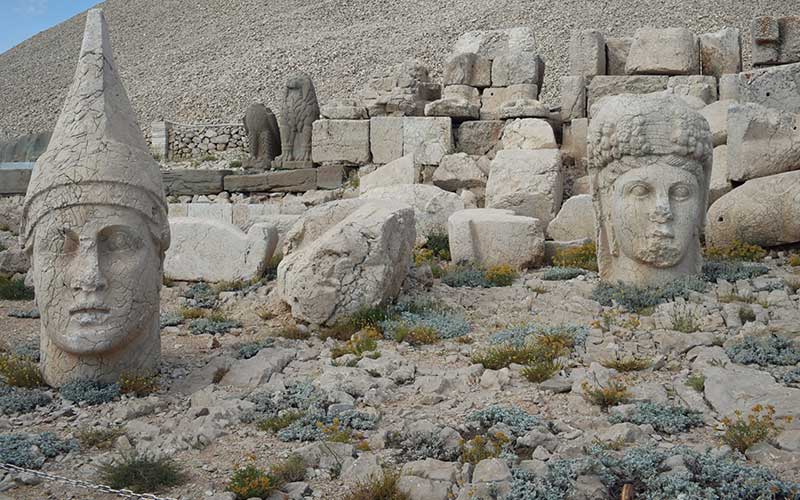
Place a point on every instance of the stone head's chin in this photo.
(95, 339)
(660, 253)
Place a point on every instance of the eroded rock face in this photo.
(95, 221)
(650, 165)
(361, 261)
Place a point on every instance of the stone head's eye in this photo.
(118, 240)
(681, 192)
(639, 190)
(60, 241)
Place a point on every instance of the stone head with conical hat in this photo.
(95, 222)
(650, 167)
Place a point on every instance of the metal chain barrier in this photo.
(82, 484)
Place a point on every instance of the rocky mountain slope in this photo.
(207, 60)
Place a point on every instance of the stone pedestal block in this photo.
(490, 237)
(341, 141)
(668, 51)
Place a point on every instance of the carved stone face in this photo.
(656, 211)
(97, 272)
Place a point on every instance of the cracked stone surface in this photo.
(95, 221)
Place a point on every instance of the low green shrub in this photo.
(732, 271)
(89, 392)
(20, 449)
(741, 433)
(20, 372)
(142, 473)
(636, 298)
(627, 364)
(250, 349)
(14, 289)
(736, 251)
(664, 418)
(20, 400)
(201, 295)
(212, 326)
(562, 273)
(583, 257)
(612, 394)
(764, 351)
(384, 486)
(517, 420)
(484, 447)
(697, 382)
(101, 438)
(138, 384)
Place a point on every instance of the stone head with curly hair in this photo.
(650, 167)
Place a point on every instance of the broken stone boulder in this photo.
(574, 221)
(468, 69)
(402, 90)
(498, 103)
(396, 172)
(573, 97)
(361, 261)
(314, 222)
(479, 137)
(776, 87)
(716, 114)
(491, 237)
(720, 181)
(432, 205)
(721, 52)
(529, 133)
(513, 68)
(761, 141)
(529, 182)
(258, 369)
(460, 171)
(493, 43)
(776, 40)
(667, 51)
(344, 109)
(703, 87)
(212, 250)
(341, 141)
(460, 102)
(429, 479)
(617, 50)
(587, 53)
(603, 86)
(763, 211)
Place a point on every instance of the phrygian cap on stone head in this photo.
(97, 155)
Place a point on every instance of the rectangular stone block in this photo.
(341, 141)
(617, 50)
(492, 43)
(386, 138)
(212, 211)
(492, 98)
(479, 137)
(428, 139)
(468, 69)
(776, 40)
(721, 52)
(330, 176)
(159, 139)
(244, 214)
(668, 51)
(774, 87)
(287, 181)
(704, 87)
(587, 53)
(192, 181)
(573, 97)
(529, 182)
(602, 86)
(513, 68)
(14, 180)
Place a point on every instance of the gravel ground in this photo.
(207, 60)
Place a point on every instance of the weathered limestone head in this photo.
(650, 167)
(95, 221)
